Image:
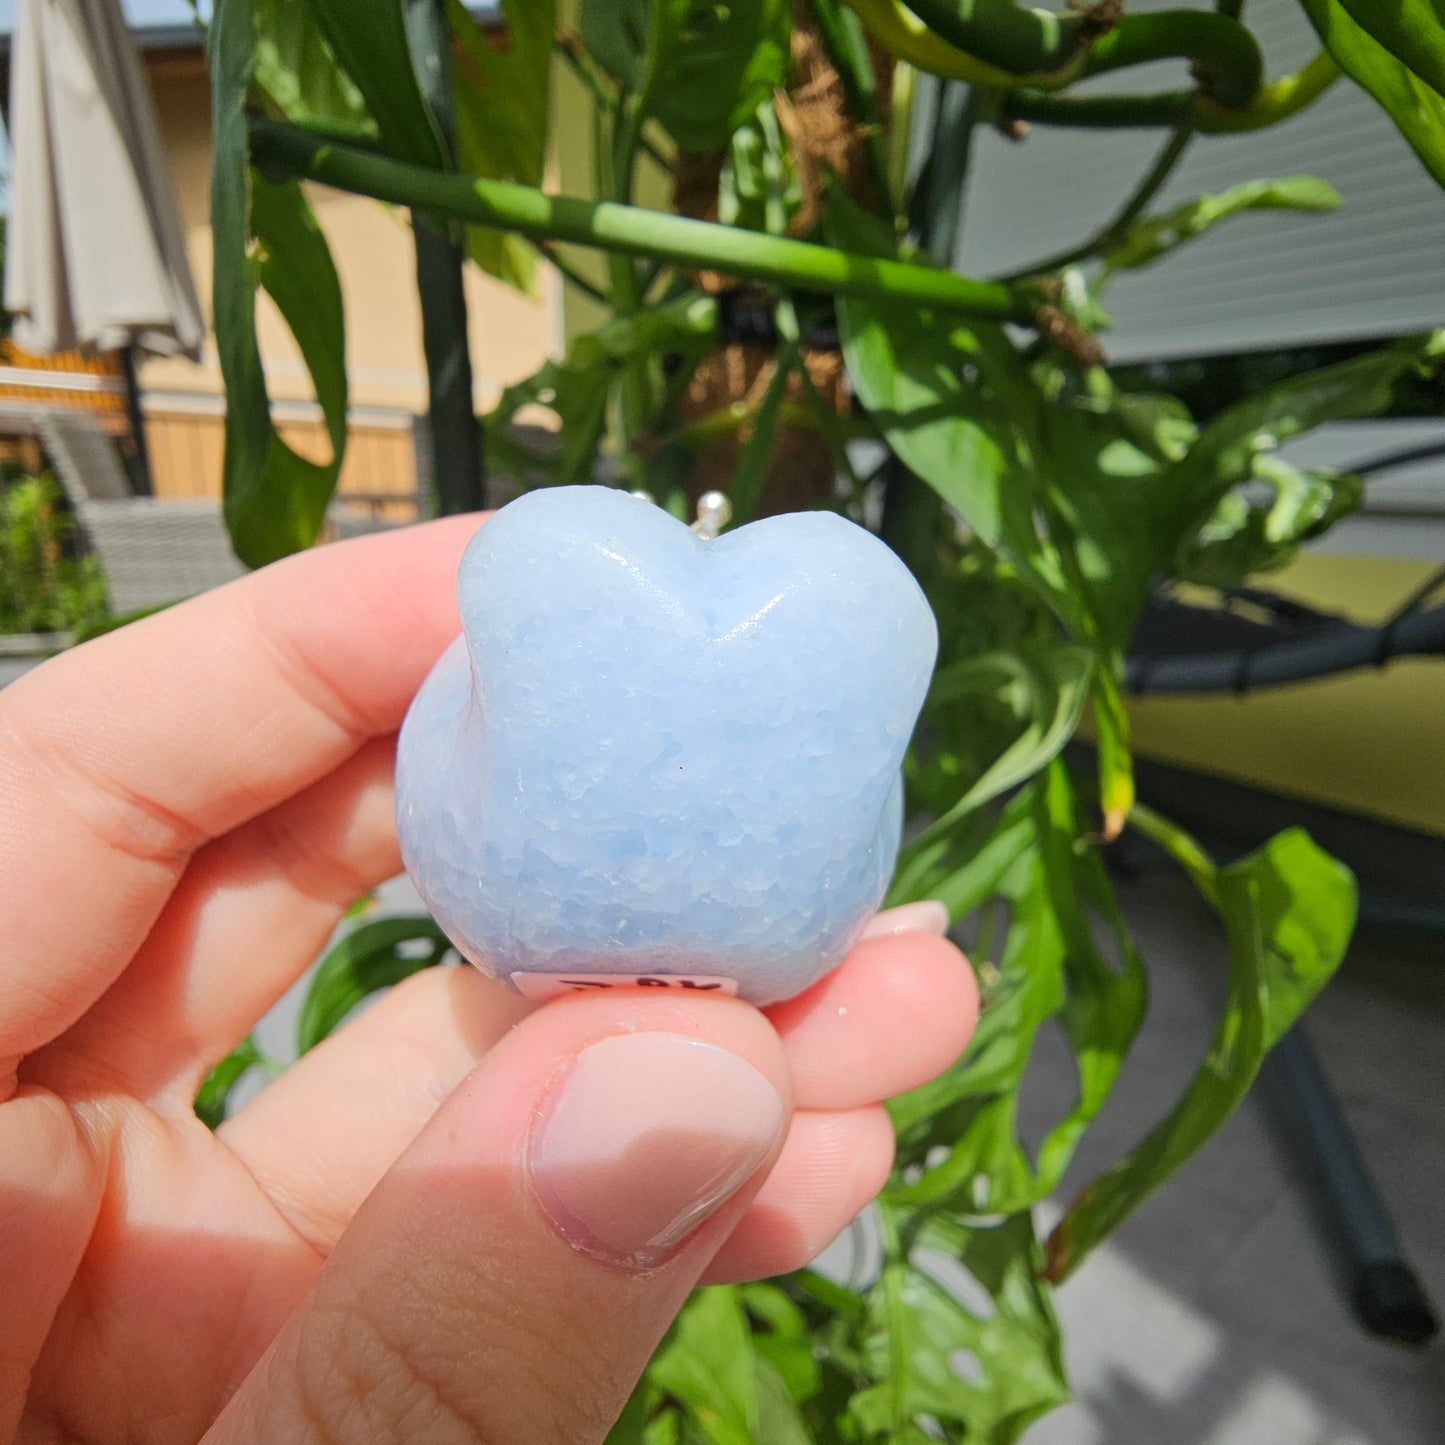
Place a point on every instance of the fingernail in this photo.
(650, 1134)
(930, 916)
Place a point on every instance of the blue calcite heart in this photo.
(653, 757)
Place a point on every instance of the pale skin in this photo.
(187, 807)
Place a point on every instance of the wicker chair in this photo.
(150, 552)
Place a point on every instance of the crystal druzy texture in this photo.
(654, 754)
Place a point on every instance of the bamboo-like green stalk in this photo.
(292, 151)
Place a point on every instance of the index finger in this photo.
(122, 757)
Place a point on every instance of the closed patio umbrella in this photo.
(96, 254)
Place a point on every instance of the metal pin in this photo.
(714, 512)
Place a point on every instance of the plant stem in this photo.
(571, 49)
(835, 430)
(458, 474)
(1151, 185)
(292, 151)
(1129, 212)
(1225, 53)
(1010, 45)
(1101, 112)
(1275, 101)
(571, 274)
(955, 120)
(1180, 846)
(904, 36)
(1008, 37)
(634, 385)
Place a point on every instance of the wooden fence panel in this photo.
(187, 444)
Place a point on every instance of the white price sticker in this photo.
(549, 985)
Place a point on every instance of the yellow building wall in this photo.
(1371, 742)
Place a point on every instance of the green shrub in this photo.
(44, 585)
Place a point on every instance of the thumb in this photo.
(511, 1275)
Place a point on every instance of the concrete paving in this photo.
(13, 667)
(1216, 1316)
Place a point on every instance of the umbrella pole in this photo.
(456, 438)
(141, 471)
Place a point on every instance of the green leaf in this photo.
(1229, 448)
(296, 68)
(1106, 481)
(982, 1372)
(372, 957)
(503, 97)
(707, 1363)
(1395, 49)
(1288, 910)
(1116, 762)
(966, 866)
(631, 1425)
(1045, 687)
(698, 67)
(1249, 534)
(783, 1342)
(539, 457)
(1411, 30)
(249, 435)
(370, 41)
(958, 1140)
(1156, 236)
(213, 1100)
(266, 235)
(952, 397)
(1160, 426)
(779, 1420)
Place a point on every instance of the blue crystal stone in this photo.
(651, 755)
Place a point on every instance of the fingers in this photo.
(251, 911)
(119, 759)
(50, 1190)
(319, 1139)
(511, 1275)
(321, 1136)
(895, 1014)
(831, 1167)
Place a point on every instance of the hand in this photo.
(458, 1218)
